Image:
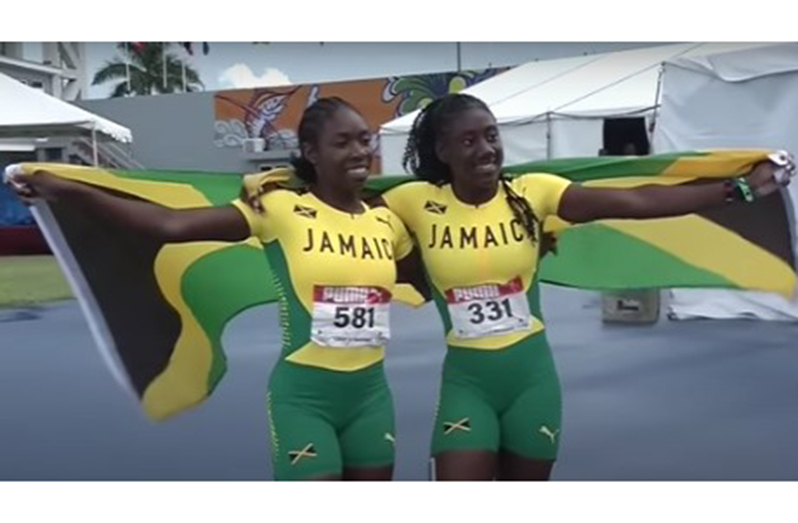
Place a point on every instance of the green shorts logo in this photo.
(464, 425)
(308, 452)
(547, 432)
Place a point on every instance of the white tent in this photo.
(556, 108)
(27, 112)
(747, 98)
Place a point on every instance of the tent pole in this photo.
(548, 136)
(653, 125)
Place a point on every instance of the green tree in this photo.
(145, 62)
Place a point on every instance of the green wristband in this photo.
(745, 189)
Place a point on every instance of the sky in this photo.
(244, 65)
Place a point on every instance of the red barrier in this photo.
(22, 240)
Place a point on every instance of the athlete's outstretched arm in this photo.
(584, 204)
(170, 225)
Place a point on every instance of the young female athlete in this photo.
(335, 262)
(499, 409)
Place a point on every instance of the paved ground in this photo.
(677, 401)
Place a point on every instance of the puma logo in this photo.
(547, 432)
(385, 221)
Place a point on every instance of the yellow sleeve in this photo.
(402, 243)
(404, 293)
(256, 222)
(400, 200)
(543, 192)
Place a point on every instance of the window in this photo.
(53, 154)
(625, 136)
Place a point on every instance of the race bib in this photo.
(350, 316)
(489, 310)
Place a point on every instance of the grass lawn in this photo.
(26, 280)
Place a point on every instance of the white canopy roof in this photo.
(555, 108)
(28, 112)
(596, 85)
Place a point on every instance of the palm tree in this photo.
(145, 62)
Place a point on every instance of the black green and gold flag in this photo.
(744, 246)
(158, 310)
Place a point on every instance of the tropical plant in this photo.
(141, 71)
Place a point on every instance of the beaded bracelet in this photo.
(728, 187)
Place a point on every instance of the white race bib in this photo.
(350, 316)
(489, 310)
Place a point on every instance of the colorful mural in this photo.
(273, 113)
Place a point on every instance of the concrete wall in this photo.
(173, 131)
(176, 131)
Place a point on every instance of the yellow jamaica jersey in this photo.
(479, 259)
(335, 272)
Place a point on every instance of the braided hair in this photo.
(310, 127)
(421, 160)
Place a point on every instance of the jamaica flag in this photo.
(157, 311)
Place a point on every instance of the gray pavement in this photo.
(702, 400)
